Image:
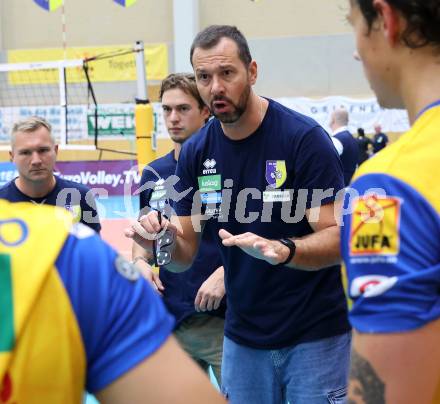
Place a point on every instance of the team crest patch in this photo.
(126, 269)
(75, 210)
(276, 173)
(375, 226)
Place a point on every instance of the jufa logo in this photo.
(375, 226)
(209, 165)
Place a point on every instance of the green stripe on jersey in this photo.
(6, 305)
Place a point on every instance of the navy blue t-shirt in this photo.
(350, 154)
(70, 195)
(258, 184)
(180, 288)
(380, 141)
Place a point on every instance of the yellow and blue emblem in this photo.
(276, 173)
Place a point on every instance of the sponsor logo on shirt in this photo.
(371, 285)
(159, 185)
(211, 197)
(375, 226)
(156, 195)
(276, 173)
(276, 196)
(213, 212)
(208, 183)
(209, 165)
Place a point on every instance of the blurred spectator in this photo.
(364, 144)
(344, 142)
(380, 140)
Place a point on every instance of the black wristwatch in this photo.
(290, 244)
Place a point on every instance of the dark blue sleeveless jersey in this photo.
(350, 154)
(70, 195)
(263, 184)
(180, 288)
(122, 321)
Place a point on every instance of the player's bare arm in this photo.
(153, 381)
(395, 368)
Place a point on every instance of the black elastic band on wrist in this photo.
(290, 244)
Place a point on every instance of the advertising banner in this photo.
(111, 175)
(118, 119)
(119, 68)
(363, 113)
(7, 172)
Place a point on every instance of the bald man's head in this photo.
(339, 118)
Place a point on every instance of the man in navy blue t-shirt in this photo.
(380, 140)
(34, 152)
(346, 145)
(194, 297)
(266, 178)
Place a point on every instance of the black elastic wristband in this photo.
(290, 244)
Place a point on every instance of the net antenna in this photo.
(58, 91)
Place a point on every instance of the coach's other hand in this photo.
(272, 251)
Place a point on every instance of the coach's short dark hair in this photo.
(422, 16)
(211, 36)
(183, 81)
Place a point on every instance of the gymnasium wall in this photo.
(303, 47)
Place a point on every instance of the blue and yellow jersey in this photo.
(73, 315)
(391, 237)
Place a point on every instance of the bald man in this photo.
(344, 142)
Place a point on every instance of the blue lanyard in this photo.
(432, 105)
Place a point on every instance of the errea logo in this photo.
(209, 165)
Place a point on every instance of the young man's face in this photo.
(182, 114)
(375, 53)
(34, 154)
(224, 82)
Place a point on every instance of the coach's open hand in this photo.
(271, 251)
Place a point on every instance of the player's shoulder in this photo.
(292, 117)
(159, 167)
(345, 135)
(204, 134)
(164, 160)
(63, 183)
(7, 189)
(85, 254)
(84, 240)
(201, 139)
